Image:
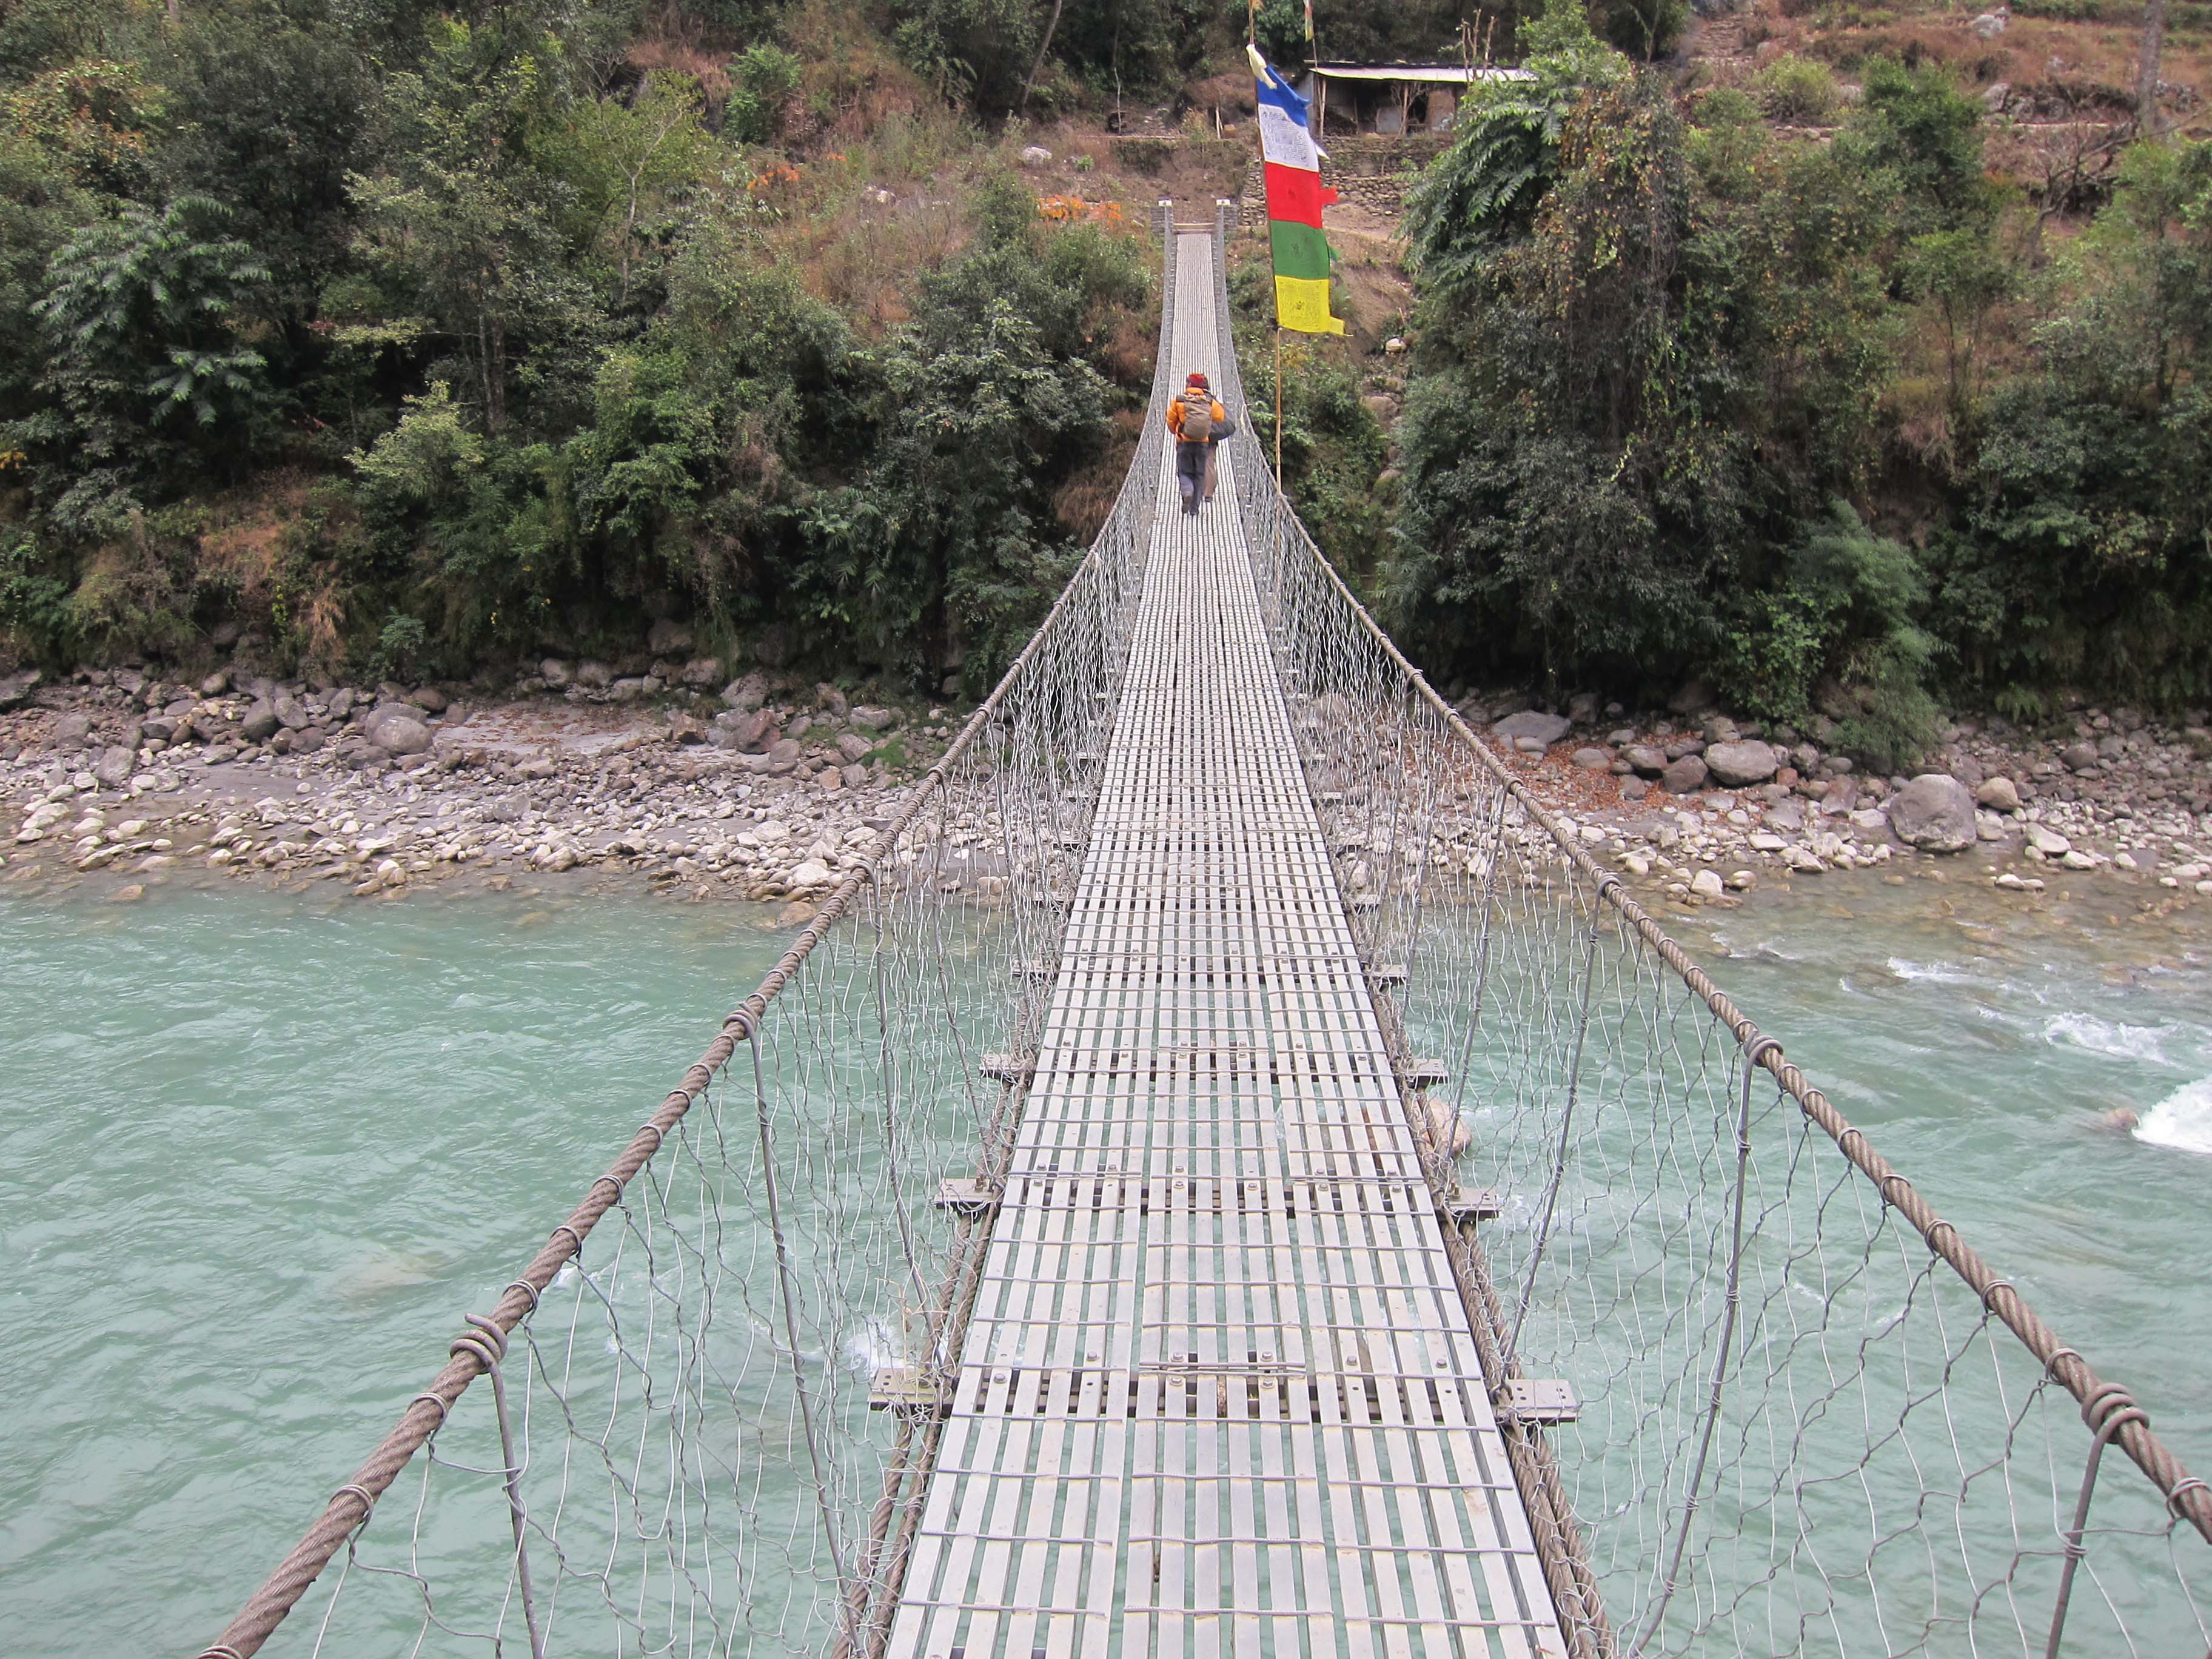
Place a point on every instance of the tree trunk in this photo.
(2154, 39)
(1044, 47)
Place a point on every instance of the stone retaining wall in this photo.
(1369, 170)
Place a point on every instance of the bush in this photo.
(766, 78)
(1797, 91)
(1842, 618)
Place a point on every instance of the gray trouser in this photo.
(1193, 464)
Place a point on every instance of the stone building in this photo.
(1391, 101)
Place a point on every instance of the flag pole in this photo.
(1279, 407)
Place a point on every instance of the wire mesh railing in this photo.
(1810, 1418)
(691, 1439)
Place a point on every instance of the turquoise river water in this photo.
(259, 1151)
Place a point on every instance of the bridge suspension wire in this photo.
(1753, 1394)
(1817, 1285)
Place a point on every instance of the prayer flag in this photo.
(1295, 197)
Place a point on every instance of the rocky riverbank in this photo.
(765, 787)
(759, 790)
(1698, 806)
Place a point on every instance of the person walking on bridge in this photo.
(1198, 421)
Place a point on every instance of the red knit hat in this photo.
(1200, 381)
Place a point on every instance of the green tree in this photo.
(141, 320)
(268, 117)
(459, 226)
(627, 160)
(1482, 195)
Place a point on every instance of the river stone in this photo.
(291, 712)
(71, 731)
(260, 725)
(700, 671)
(747, 694)
(828, 696)
(1707, 883)
(783, 756)
(1647, 761)
(851, 746)
(874, 720)
(115, 766)
(1740, 764)
(1594, 759)
(1546, 729)
(2078, 756)
(1934, 812)
(15, 689)
(811, 874)
(554, 672)
(1998, 794)
(398, 733)
(428, 699)
(1684, 777)
(746, 730)
(2048, 841)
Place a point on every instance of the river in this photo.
(262, 1149)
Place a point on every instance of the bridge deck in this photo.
(1219, 1393)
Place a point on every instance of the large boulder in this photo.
(700, 671)
(874, 720)
(1740, 765)
(397, 729)
(291, 712)
(116, 765)
(260, 723)
(15, 689)
(1684, 777)
(748, 731)
(402, 736)
(1647, 761)
(594, 676)
(747, 694)
(1934, 812)
(1547, 729)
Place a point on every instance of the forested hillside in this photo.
(409, 341)
(1848, 358)
(1792, 379)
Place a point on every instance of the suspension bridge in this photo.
(1226, 1172)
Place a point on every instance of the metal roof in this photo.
(1450, 73)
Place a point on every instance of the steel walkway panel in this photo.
(1218, 1394)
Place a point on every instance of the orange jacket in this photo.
(1176, 412)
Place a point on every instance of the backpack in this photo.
(1197, 418)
